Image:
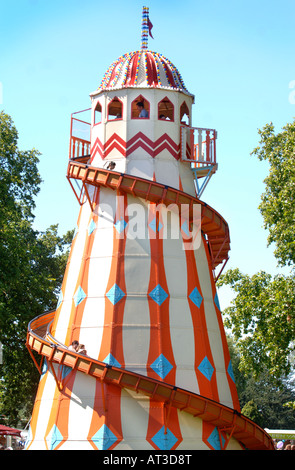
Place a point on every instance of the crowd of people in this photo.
(17, 445)
(282, 444)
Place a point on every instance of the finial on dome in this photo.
(146, 28)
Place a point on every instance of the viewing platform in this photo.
(197, 147)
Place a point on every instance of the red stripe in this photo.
(151, 70)
(132, 69)
(202, 345)
(139, 136)
(170, 141)
(169, 75)
(160, 339)
(109, 395)
(37, 404)
(232, 385)
(114, 71)
(139, 140)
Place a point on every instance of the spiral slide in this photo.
(229, 422)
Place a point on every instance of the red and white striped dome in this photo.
(142, 68)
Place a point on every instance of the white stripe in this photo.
(135, 419)
(136, 328)
(72, 277)
(80, 413)
(192, 431)
(44, 412)
(181, 325)
(213, 330)
(100, 262)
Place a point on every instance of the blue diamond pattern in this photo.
(196, 297)
(54, 437)
(206, 368)
(214, 440)
(115, 294)
(216, 301)
(112, 361)
(158, 294)
(91, 227)
(120, 225)
(161, 366)
(230, 371)
(104, 438)
(45, 367)
(164, 441)
(153, 225)
(185, 229)
(79, 296)
(65, 370)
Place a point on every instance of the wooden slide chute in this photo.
(213, 226)
(225, 419)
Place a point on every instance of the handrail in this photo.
(224, 418)
(79, 145)
(201, 153)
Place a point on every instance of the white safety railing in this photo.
(198, 146)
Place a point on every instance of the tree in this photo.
(260, 399)
(261, 318)
(262, 314)
(278, 200)
(32, 266)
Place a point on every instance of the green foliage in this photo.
(31, 269)
(262, 314)
(250, 410)
(19, 174)
(262, 320)
(263, 400)
(278, 200)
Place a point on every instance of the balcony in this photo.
(197, 147)
(201, 155)
(80, 136)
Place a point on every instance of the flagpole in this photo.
(145, 28)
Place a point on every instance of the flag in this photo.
(150, 28)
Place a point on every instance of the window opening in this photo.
(184, 114)
(166, 110)
(97, 113)
(140, 108)
(115, 109)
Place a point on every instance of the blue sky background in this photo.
(237, 57)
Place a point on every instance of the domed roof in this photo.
(142, 69)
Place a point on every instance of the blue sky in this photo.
(237, 57)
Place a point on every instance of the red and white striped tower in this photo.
(138, 291)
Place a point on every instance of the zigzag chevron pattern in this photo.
(137, 141)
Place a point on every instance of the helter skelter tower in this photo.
(139, 287)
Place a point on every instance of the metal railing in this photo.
(79, 136)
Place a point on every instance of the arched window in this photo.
(115, 109)
(166, 110)
(184, 114)
(140, 108)
(97, 113)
